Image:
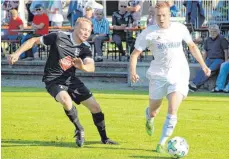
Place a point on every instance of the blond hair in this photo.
(162, 4)
(13, 12)
(83, 19)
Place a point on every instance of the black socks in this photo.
(99, 122)
(73, 116)
(98, 119)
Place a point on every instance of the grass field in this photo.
(34, 126)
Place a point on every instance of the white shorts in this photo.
(160, 88)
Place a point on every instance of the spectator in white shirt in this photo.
(56, 14)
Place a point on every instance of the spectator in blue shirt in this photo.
(222, 78)
(215, 51)
(100, 33)
(173, 9)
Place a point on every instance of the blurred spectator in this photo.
(76, 9)
(222, 78)
(56, 13)
(120, 20)
(220, 11)
(74, 12)
(173, 9)
(15, 23)
(135, 8)
(151, 17)
(9, 5)
(30, 14)
(41, 26)
(100, 33)
(40, 21)
(4, 21)
(215, 49)
(93, 4)
(88, 13)
(194, 13)
(45, 5)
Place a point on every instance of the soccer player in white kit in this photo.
(168, 73)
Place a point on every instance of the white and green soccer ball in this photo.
(178, 147)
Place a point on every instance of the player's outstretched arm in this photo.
(26, 46)
(87, 65)
(196, 53)
(133, 63)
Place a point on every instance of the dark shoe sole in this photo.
(109, 142)
(99, 60)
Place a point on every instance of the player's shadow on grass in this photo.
(114, 147)
(18, 143)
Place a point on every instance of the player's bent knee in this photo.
(96, 107)
(65, 100)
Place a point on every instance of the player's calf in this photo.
(79, 132)
(99, 122)
(149, 123)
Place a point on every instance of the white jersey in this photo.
(169, 62)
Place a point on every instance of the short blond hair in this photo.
(83, 19)
(13, 12)
(162, 4)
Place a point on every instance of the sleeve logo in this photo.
(65, 63)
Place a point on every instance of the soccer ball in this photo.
(178, 147)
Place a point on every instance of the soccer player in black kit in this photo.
(69, 50)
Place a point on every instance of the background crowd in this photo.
(40, 15)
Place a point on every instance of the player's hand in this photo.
(78, 63)
(134, 77)
(207, 71)
(13, 58)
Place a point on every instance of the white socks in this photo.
(168, 128)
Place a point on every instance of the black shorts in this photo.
(76, 89)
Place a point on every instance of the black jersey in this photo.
(63, 49)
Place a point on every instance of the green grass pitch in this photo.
(34, 126)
